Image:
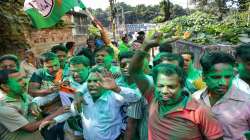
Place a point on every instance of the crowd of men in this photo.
(104, 92)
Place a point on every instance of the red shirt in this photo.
(193, 122)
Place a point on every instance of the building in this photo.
(74, 28)
(17, 33)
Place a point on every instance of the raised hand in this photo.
(108, 82)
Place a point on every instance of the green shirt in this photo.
(123, 47)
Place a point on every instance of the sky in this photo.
(105, 3)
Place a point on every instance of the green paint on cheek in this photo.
(84, 74)
(15, 87)
(217, 80)
(108, 59)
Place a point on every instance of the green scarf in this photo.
(164, 109)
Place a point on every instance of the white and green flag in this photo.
(46, 13)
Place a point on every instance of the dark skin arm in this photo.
(34, 90)
(131, 127)
(32, 127)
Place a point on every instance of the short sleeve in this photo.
(135, 110)
(209, 126)
(36, 77)
(11, 119)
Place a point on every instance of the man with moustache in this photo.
(228, 103)
(174, 114)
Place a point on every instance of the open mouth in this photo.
(99, 61)
(125, 72)
(92, 89)
(222, 89)
(77, 79)
(166, 96)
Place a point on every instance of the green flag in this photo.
(46, 13)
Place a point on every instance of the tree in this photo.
(177, 11)
(165, 9)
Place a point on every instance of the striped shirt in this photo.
(137, 110)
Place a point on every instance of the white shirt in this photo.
(242, 85)
(43, 100)
(102, 119)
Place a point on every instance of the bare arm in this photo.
(31, 127)
(34, 90)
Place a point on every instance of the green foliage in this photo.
(207, 29)
(93, 31)
(137, 14)
(158, 19)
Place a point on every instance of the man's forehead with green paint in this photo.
(77, 67)
(51, 63)
(221, 69)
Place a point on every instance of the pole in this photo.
(112, 8)
(123, 19)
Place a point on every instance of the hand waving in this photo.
(108, 82)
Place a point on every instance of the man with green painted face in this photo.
(46, 82)
(79, 71)
(137, 113)
(100, 111)
(242, 81)
(17, 113)
(230, 105)
(61, 52)
(194, 78)
(105, 57)
(8, 62)
(174, 114)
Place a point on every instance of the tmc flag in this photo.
(46, 13)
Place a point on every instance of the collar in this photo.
(189, 104)
(73, 83)
(192, 104)
(235, 93)
(232, 94)
(104, 96)
(242, 84)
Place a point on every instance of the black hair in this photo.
(80, 60)
(128, 54)
(69, 45)
(209, 59)
(109, 50)
(243, 52)
(124, 36)
(91, 37)
(56, 48)
(48, 56)
(141, 33)
(170, 57)
(98, 69)
(166, 47)
(4, 75)
(10, 57)
(189, 53)
(168, 70)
